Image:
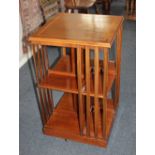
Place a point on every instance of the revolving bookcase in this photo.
(84, 72)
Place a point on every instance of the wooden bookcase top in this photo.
(78, 30)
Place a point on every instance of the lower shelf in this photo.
(64, 123)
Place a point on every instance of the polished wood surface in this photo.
(64, 123)
(60, 77)
(78, 29)
(86, 111)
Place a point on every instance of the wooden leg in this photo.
(118, 65)
(105, 83)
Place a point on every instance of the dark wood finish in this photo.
(130, 9)
(85, 113)
(106, 5)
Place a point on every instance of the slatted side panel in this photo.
(41, 66)
(45, 61)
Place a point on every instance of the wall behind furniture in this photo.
(22, 57)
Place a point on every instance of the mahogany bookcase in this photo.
(86, 111)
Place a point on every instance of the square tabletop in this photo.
(78, 30)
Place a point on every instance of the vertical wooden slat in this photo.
(43, 61)
(73, 60)
(96, 84)
(118, 64)
(39, 63)
(81, 112)
(46, 57)
(50, 100)
(105, 64)
(63, 51)
(105, 84)
(127, 7)
(87, 59)
(46, 103)
(132, 7)
(35, 62)
(42, 106)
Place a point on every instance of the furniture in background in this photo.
(31, 18)
(106, 5)
(49, 8)
(80, 5)
(84, 5)
(86, 111)
(131, 9)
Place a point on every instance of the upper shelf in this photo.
(78, 29)
(61, 78)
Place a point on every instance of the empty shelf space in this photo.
(64, 123)
(111, 78)
(62, 67)
(61, 78)
(61, 83)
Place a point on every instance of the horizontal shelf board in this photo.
(64, 123)
(59, 82)
(60, 78)
(69, 84)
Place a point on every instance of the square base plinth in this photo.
(63, 123)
